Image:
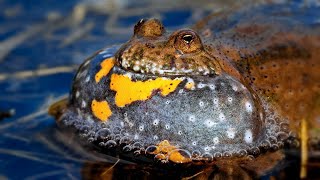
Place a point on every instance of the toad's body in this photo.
(186, 96)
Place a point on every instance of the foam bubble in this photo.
(196, 153)
(127, 148)
(110, 144)
(207, 156)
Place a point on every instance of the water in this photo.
(41, 45)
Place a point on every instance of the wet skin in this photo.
(198, 94)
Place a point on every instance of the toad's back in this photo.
(278, 56)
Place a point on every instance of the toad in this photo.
(197, 95)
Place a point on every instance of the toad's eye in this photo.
(187, 41)
(148, 28)
(187, 38)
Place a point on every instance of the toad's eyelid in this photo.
(187, 36)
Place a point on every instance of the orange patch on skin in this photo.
(189, 85)
(128, 91)
(164, 147)
(106, 66)
(167, 150)
(177, 157)
(101, 110)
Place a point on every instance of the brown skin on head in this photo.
(148, 28)
(152, 50)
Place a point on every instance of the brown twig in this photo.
(304, 149)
